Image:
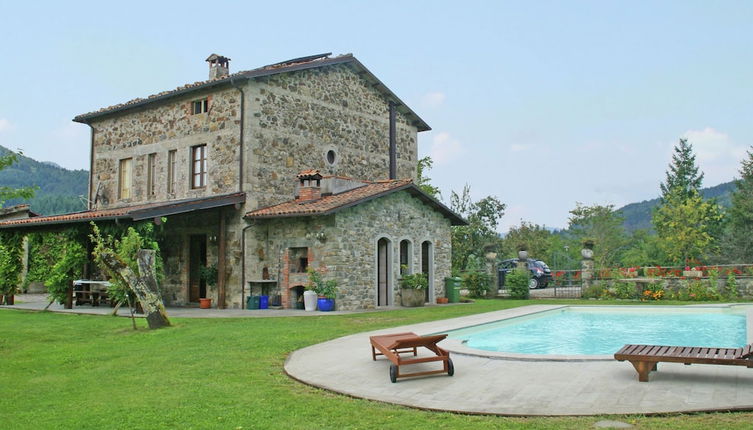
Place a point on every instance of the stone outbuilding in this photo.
(264, 173)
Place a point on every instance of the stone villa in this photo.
(305, 163)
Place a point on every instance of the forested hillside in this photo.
(59, 189)
(638, 215)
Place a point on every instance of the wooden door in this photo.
(383, 276)
(426, 260)
(197, 259)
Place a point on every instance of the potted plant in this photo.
(412, 289)
(310, 295)
(209, 275)
(327, 292)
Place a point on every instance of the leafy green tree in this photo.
(683, 177)
(686, 227)
(737, 245)
(603, 225)
(6, 192)
(480, 235)
(643, 250)
(536, 238)
(423, 181)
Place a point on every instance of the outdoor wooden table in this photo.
(88, 291)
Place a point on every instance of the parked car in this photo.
(540, 273)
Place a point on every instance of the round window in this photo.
(331, 156)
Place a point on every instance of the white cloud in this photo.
(717, 155)
(433, 99)
(5, 125)
(445, 148)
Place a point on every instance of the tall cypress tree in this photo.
(737, 245)
(683, 177)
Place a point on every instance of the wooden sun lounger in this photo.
(392, 345)
(645, 357)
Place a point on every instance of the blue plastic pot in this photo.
(325, 305)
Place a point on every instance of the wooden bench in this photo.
(392, 345)
(644, 358)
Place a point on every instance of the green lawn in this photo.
(74, 371)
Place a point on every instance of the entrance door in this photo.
(426, 260)
(383, 274)
(197, 259)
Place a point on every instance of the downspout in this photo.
(243, 264)
(243, 115)
(240, 188)
(90, 199)
(393, 142)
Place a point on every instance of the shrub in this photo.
(475, 279)
(731, 289)
(624, 290)
(516, 282)
(594, 291)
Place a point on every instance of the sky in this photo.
(542, 104)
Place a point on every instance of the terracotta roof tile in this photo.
(331, 203)
(135, 212)
(278, 67)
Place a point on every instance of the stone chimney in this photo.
(310, 187)
(219, 66)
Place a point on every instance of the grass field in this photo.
(96, 372)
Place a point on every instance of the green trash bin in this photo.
(252, 302)
(452, 289)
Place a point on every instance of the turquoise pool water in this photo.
(600, 331)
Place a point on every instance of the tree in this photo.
(7, 193)
(687, 226)
(603, 225)
(535, 237)
(682, 177)
(736, 243)
(423, 182)
(142, 280)
(480, 235)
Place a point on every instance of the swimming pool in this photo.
(593, 331)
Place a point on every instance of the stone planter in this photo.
(692, 273)
(523, 255)
(309, 300)
(412, 298)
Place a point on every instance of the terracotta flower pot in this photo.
(205, 303)
(442, 300)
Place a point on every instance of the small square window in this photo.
(200, 106)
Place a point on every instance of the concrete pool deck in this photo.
(508, 386)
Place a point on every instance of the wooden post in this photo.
(221, 264)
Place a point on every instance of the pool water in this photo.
(600, 331)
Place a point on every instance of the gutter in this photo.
(243, 115)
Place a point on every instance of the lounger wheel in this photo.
(450, 367)
(393, 373)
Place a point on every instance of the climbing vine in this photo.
(11, 261)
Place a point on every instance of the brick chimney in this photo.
(219, 66)
(310, 187)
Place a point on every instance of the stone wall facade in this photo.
(327, 118)
(295, 119)
(162, 128)
(344, 247)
